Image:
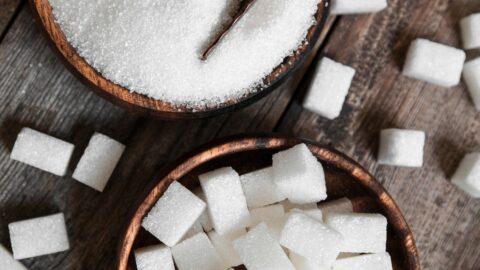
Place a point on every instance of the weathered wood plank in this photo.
(7, 11)
(445, 221)
(37, 91)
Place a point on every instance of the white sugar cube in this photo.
(380, 261)
(98, 161)
(313, 213)
(260, 251)
(266, 214)
(311, 239)
(195, 229)
(299, 175)
(154, 258)
(196, 253)
(362, 233)
(260, 189)
(342, 205)
(467, 176)
(329, 88)
(357, 6)
(287, 205)
(434, 63)
(173, 214)
(42, 151)
(205, 218)
(471, 31)
(400, 147)
(302, 263)
(224, 246)
(471, 75)
(226, 202)
(38, 236)
(7, 261)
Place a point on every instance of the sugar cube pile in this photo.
(470, 26)
(98, 161)
(154, 258)
(42, 151)
(379, 261)
(196, 253)
(362, 233)
(7, 261)
(173, 214)
(149, 47)
(278, 235)
(227, 204)
(434, 63)
(299, 175)
(260, 251)
(357, 6)
(329, 88)
(467, 175)
(311, 239)
(260, 189)
(38, 236)
(471, 75)
(399, 147)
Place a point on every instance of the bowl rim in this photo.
(140, 103)
(267, 141)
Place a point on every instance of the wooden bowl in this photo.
(344, 177)
(141, 103)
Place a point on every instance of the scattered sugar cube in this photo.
(344, 255)
(38, 236)
(357, 6)
(154, 258)
(226, 202)
(7, 261)
(195, 229)
(224, 246)
(205, 218)
(42, 151)
(401, 147)
(196, 253)
(173, 214)
(329, 88)
(98, 161)
(434, 63)
(471, 75)
(343, 205)
(260, 189)
(311, 239)
(380, 261)
(362, 233)
(266, 214)
(260, 251)
(313, 213)
(467, 176)
(302, 263)
(471, 31)
(299, 175)
(287, 205)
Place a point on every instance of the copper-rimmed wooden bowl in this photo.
(141, 103)
(344, 177)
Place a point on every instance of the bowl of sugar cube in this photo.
(182, 59)
(267, 202)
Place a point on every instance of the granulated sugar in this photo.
(154, 47)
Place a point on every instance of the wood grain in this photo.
(140, 103)
(445, 221)
(344, 178)
(7, 12)
(37, 91)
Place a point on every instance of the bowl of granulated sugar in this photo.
(182, 59)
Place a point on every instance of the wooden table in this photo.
(36, 91)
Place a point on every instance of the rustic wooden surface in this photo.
(37, 91)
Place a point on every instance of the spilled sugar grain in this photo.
(154, 47)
